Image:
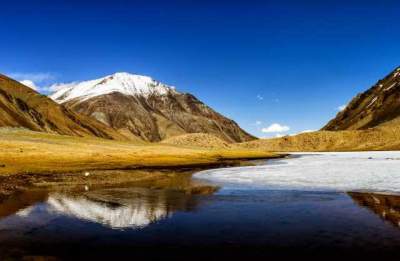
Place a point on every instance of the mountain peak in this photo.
(122, 82)
(130, 76)
(23, 107)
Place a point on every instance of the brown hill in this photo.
(140, 106)
(202, 140)
(371, 121)
(379, 104)
(385, 137)
(20, 106)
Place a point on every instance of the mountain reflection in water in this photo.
(142, 223)
(385, 206)
(113, 208)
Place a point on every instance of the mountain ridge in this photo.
(375, 106)
(21, 106)
(123, 82)
(371, 121)
(140, 106)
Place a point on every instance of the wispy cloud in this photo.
(58, 86)
(258, 123)
(34, 77)
(341, 107)
(306, 131)
(30, 84)
(275, 128)
(38, 81)
(259, 97)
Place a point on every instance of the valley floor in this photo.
(28, 157)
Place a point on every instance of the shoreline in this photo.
(135, 175)
(24, 151)
(28, 157)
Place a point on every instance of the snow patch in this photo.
(125, 83)
(372, 102)
(347, 171)
(390, 87)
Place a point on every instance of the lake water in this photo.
(316, 205)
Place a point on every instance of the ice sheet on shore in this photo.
(347, 171)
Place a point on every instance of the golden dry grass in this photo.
(385, 137)
(23, 151)
(202, 140)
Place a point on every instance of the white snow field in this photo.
(344, 171)
(125, 83)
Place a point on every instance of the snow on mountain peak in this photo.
(122, 82)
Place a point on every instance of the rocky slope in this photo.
(140, 106)
(20, 106)
(371, 121)
(379, 104)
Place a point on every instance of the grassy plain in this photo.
(23, 152)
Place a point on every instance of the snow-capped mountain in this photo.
(124, 83)
(21, 106)
(138, 106)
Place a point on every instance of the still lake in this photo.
(316, 204)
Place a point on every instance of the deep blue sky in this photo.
(304, 58)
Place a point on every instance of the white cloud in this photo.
(275, 128)
(34, 77)
(259, 97)
(58, 86)
(300, 132)
(279, 135)
(305, 131)
(258, 123)
(30, 84)
(35, 80)
(341, 107)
